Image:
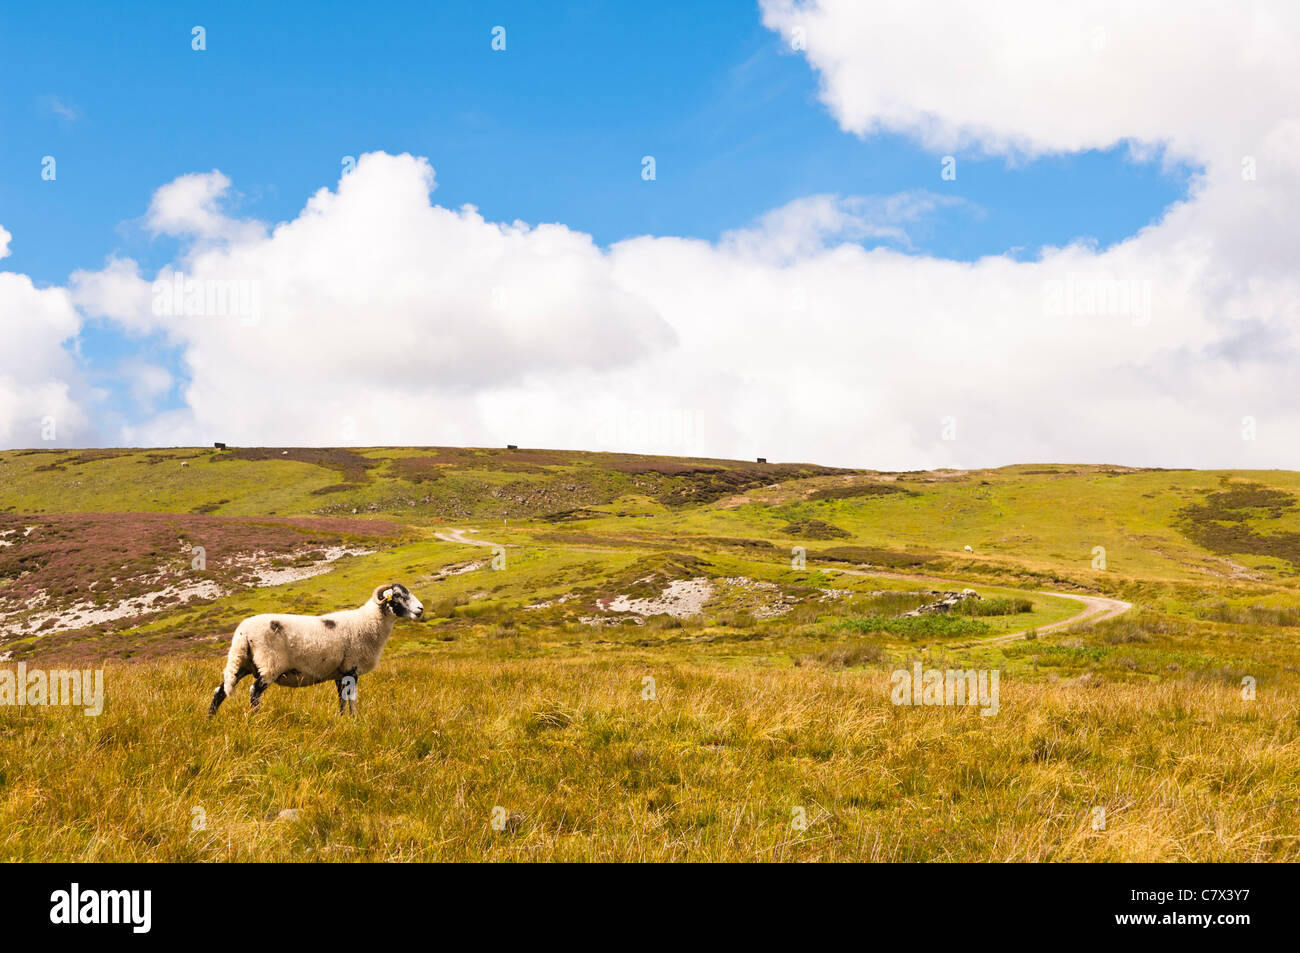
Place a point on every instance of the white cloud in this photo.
(5, 239)
(385, 319)
(190, 207)
(1206, 78)
(376, 310)
(116, 291)
(804, 226)
(388, 320)
(147, 383)
(41, 391)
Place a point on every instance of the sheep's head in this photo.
(397, 599)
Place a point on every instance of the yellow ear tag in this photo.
(388, 595)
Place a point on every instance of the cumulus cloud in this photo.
(42, 396)
(116, 291)
(817, 332)
(372, 315)
(1039, 380)
(190, 207)
(1206, 79)
(385, 319)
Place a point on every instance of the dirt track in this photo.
(458, 536)
(1095, 609)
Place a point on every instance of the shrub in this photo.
(814, 529)
(986, 607)
(915, 628)
(1251, 615)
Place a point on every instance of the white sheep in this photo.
(969, 550)
(298, 650)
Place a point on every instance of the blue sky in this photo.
(553, 129)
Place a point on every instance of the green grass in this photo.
(576, 764)
(774, 697)
(988, 607)
(916, 628)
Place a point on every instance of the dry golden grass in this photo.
(504, 704)
(579, 766)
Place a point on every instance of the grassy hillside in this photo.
(578, 765)
(768, 602)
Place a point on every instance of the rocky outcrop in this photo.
(945, 601)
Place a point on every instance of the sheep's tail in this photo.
(239, 662)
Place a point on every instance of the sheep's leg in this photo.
(255, 693)
(347, 688)
(235, 670)
(221, 694)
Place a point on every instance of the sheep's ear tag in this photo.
(388, 595)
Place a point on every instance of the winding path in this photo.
(1095, 609)
(458, 536)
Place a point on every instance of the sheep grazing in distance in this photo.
(299, 650)
(969, 550)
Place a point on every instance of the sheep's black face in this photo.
(399, 600)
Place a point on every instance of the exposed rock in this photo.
(945, 601)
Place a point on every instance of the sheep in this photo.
(298, 650)
(969, 550)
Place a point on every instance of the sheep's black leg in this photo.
(246, 667)
(255, 693)
(347, 688)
